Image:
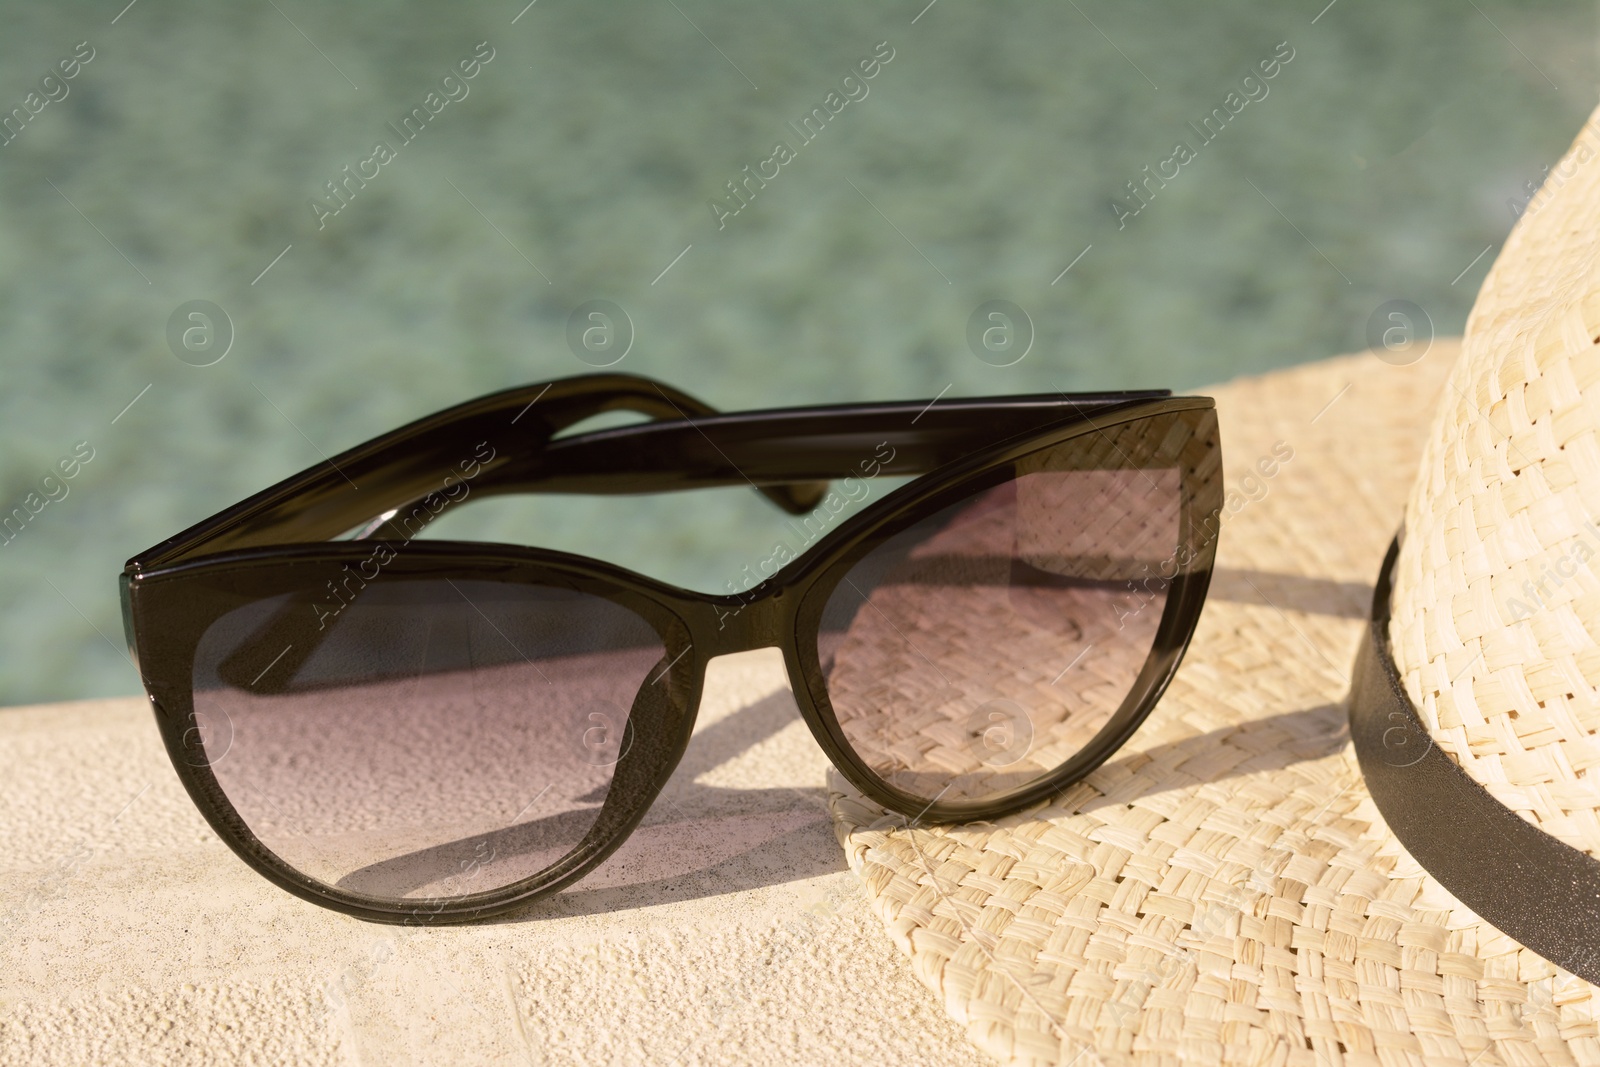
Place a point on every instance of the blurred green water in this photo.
(581, 164)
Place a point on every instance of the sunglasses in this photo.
(416, 730)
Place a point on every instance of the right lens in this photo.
(422, 738)
(981, 647)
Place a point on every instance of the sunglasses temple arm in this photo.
(793, 455)
(494, 443)
(506, 443)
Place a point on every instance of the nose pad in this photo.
(652, 743)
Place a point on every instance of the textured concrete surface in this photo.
(729, 931)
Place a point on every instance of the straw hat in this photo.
(1226, 889)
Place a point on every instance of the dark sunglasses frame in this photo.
(384, 488)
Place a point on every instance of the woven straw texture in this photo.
(1223, 890)
(1498, 600)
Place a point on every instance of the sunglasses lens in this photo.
(427, 738)
(982, 647)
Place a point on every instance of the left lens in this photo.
(421, 738)
(980, 648)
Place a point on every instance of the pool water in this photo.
(377, 210)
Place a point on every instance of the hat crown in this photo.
(1495, 621)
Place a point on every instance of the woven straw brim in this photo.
(1223, 889)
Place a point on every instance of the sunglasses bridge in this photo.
(759, 617)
